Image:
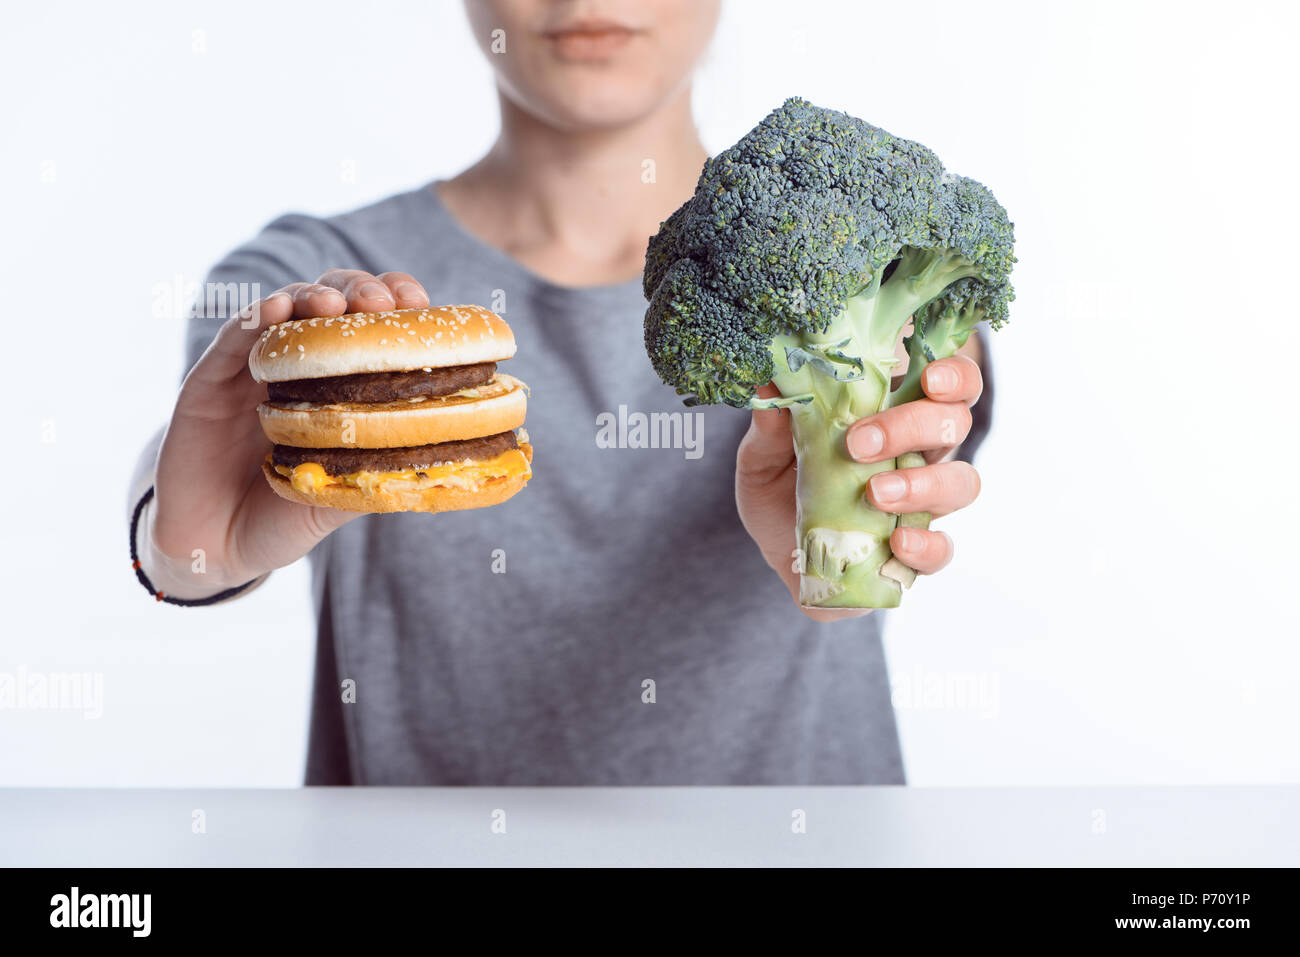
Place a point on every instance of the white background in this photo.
(1124, 591)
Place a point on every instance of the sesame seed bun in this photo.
(498, 406)
(435, 499)
(400, 340)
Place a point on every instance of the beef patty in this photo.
(343, 461)
(382, 386)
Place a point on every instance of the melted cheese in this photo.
(310, 476)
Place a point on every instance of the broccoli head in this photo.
(805, 251)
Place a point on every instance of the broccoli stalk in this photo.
(847, 370)
(804, 253)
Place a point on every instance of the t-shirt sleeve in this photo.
(293, 248)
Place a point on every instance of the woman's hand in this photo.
(933, 426)
(210, 493)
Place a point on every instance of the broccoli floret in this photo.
(805, 251)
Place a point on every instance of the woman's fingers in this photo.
(338, 291)
(407, 293)
(938, 489)
(362, 291)
(956, 379)
(921, 426)
(925, 551)
(312, 299)
(936, 424)
(367, 293)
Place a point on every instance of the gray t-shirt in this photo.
(516, 645)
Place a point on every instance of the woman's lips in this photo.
(590, 41)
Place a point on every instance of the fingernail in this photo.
(866, 441)
(409, 290)
(888, 487)
(940, 379)
(908, 540)
(374, 290)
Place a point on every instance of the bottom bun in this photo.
(435, 499)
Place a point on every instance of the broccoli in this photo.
(803, 255)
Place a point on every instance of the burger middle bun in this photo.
(498, 406)
(400, 340)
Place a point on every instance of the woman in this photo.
(615, 623)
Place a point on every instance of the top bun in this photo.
(400, 340)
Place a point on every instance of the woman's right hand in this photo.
(210, 494)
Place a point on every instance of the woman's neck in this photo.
(578, 208)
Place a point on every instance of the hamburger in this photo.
(398, 411)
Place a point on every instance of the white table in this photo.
(1225, 826)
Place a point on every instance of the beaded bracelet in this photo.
(144, 579)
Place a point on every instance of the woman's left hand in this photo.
(933, 426)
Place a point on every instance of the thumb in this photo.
(326, 520)
(768, 445)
